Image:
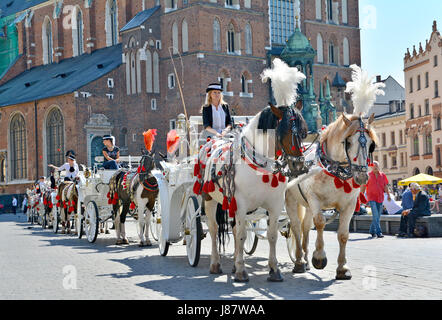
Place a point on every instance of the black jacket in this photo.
(208, 117)
(421, 204)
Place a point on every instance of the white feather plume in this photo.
(363, 90)
(285, 82)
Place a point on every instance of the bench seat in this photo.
(390, 224)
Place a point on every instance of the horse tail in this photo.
(222, 219)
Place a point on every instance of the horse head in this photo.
(290, 130)
(147, 164)
(359, 143)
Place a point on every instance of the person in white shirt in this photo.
(71, 167)
(392, 206)
(14, 205)
(216, 113)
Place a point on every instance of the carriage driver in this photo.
(111, 153)
(216, 114)
(70, 166)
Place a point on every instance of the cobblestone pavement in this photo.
(38, 264)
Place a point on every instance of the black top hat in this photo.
(71, 156)
(70, 152)
(214, 86)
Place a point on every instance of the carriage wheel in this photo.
(55, 220)
(91, 221)
(251, 238)
(291, 244)
(194, 231)
(155, 227)
(80, 220)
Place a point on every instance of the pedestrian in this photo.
(24, 205)
(421, 208)
(14, 205)
(111, 153)
(216, 114)
(376, 186)
(391, 206)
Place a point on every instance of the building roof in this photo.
(338, 81)
(10, 7)
(139, 19)
(60, 78)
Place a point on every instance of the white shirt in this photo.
(391, 206)
(69, 174)
(14, 202)
(219, 118)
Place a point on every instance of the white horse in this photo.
(344, 153)
(246, 175)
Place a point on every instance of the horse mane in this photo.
(267, 120)
(339, 128)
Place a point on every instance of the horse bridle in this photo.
(297, 161)
(346, 170)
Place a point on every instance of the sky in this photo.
(389, 27)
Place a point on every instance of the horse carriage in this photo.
(93, 206)
(180, 216)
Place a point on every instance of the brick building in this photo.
(423, 74)
(79, 69)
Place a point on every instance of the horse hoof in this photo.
(215, 269)
(107, 232)
(275, 276)
(307, 266)
(141, 245)
(125, 241)
(343, 275)
(300, 268)
(119, 242)
(319, 263)
(241, 277)
(148, 243)
(101, 231)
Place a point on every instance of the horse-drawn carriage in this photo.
(180, 215)
(93, 206)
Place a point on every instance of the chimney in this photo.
(378, 79)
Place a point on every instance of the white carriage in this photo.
(93, 208)
(179, 216)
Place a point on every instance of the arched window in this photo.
(149, 87)
(248, 36)
(156, 73)
(55, 137)
(175, 38)
(243, 84)
(346, 52)
(216, 35)
(331, 53)
(127, 59)
(320, 48)
(438, 123)
(318, 10)
(133, 81)
(231, 39)
(428, 144)
(138, 71)
(429, 171)
(47, 41)
(77, 33)
(123, 138)
(185, 37)
(18, 147)
(2, 170)
(111, 22)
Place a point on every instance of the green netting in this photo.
(8, 42)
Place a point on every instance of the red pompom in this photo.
(71, 209)
(108, 195)
(363, 198)
(232, 208)
(347, 187)
(211, 186)
(132, 206)
(221, 190)
(196, 169)
(206, 187)
(58, 205)
(355, 185)
(197, 187)
(265, 178)
(109, 201)
(355, 159)
(57, 197)
(225, 203)
(275, 181)
(114, 201)
(278, 153)
(115, 196)
(50, 205)
(281, 177)
(338, 183)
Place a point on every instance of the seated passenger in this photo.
(111, 153)
(71, 167)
